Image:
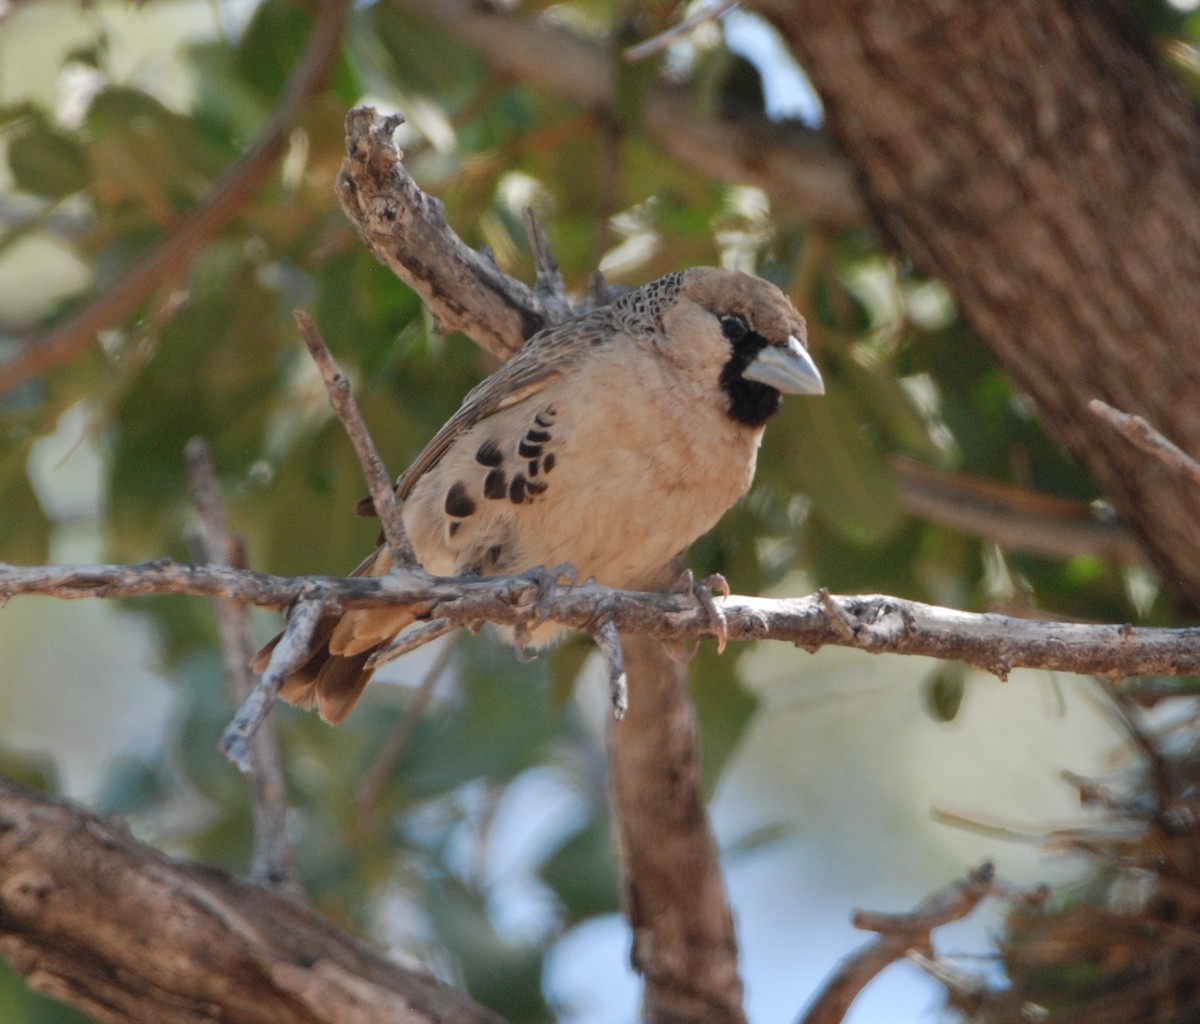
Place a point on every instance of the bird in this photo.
(609, 442)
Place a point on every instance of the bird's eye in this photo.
(734, 327)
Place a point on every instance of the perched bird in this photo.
(609, 442)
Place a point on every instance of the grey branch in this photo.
(656, 44)
(289, 653)
(383, 494)
(407, 231)
(273, 862)
(1149, 440)
(899, 934)
(873, 623)
(609, 642)
(92, 916)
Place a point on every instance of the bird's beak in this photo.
(787, 368)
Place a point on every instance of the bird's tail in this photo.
(335, 673)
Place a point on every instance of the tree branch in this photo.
(900, 935)
(273, 862)
(196, 227)
(873, 623)
(1016, 519)
(1149, 439)
(407, 231)
(383, 491)
(90, 915)
(684, 942)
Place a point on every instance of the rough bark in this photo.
(1037, 158)
(92, 916)
(668, 853)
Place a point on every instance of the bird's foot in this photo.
(547, 582)
(702, 591)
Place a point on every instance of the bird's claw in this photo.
(703, 593)
(547, 582)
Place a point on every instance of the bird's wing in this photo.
(543, 359)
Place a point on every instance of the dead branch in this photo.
(464, 290)
(293, 647)
(273, 863)
(383, 492)
(873, 623)
(656, 44)
(195, 228)
(1148, 439)
(898, 935)
(90, 915)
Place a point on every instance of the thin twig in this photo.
(898, 934)
(199, 225)
(549, 286)
(383, 493)
(655, 44)
(273, 862)
(609, 642)
(1150, 440)
(408, 641)
(837, 618)
(372, 786)
(289, 653)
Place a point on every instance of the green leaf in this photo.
(33, 768)
(24, 528)
(583, 871)
(47, 162)
(944, 690)
(505, 977)
(819, 446)
(724, 707)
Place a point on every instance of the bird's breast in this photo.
(614, 475)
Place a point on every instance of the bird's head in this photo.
(742, 334)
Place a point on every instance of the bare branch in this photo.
(609, 641)
(411, 639)
(877, 624)
(289, 653)
(1148, 439)
(898, 935)
(1016, 519)
(273, 862)
(383, 493)
(406, 230)
(82, 904)
(549, 287)
(198, 226)
(658, 43)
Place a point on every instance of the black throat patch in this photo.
(750, 403)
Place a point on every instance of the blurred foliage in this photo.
(103, 161)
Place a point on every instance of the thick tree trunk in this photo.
(1037, 158)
